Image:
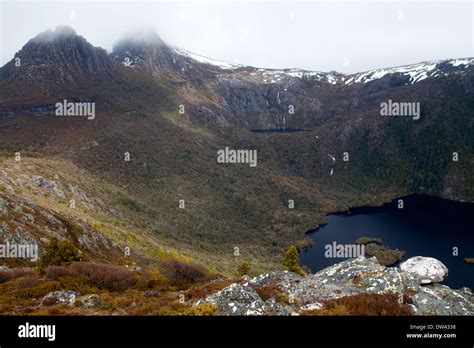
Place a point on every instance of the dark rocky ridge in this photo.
(58, 56)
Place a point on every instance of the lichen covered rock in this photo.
(361, 276)
(425, 270)
(66, 296)
(236, 299)
(437, 299)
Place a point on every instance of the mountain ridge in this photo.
(125, 47)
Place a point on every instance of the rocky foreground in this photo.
(360, 286)
(415, 284)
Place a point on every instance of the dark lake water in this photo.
(426, 226)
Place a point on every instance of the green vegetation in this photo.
(129, 203)
(291, 261)
(243, 269)
(205, 309)
(58, 253)
(385, 256)
(367, 240)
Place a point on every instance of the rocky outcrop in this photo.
(243, 301)
(349, 278)
(24, 221)
(90, 300)
(425, 270)
(437, 299)
(67, 297)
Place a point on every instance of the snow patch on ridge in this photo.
(275, 75)
(205, 60)
(415, 72)
(462, 61)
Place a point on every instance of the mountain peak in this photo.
(144, 48)
(60, 32)
(140, 37)
(60, 55)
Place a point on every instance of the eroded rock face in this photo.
(425, 270)
(348, 278)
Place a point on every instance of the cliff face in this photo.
(347, 288)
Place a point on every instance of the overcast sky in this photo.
(323, 35)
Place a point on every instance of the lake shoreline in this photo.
(423, 226)
(363, 209)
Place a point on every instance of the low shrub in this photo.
(58, 253)
(243, 269)
(146, 309)
(5, 276)
(39, 290)
(148, 280)
(203, 290)
(366, 305)
(55, 272)
(124, 261)
(77, 283)
(336, 310)
(87, 277)
(204, 309)
(49, 301)
(15, 273)
(105, 276)
(267, 292)
(183, 274)
(28, 282)
(282, 298)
